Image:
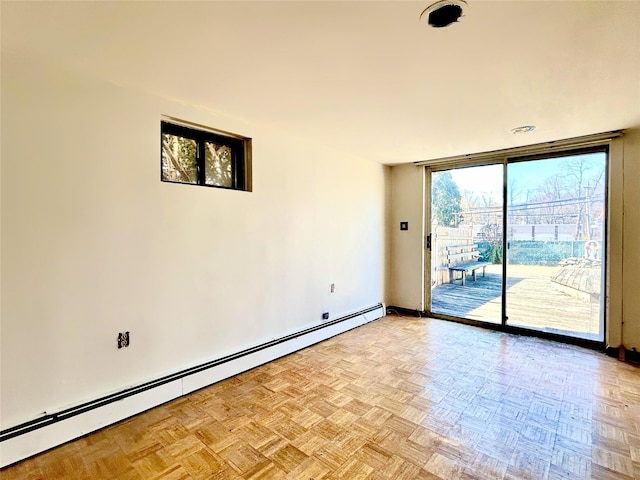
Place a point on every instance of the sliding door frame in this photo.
(588, 144)
(429, 235)
(604, 148)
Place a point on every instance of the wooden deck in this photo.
(533, 301)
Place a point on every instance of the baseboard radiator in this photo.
(44, 433)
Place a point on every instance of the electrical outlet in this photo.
(325, 316)
(123, 339)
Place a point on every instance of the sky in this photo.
(527, 175)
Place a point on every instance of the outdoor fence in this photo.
(520, 252)
(523, 252)
(446, 237)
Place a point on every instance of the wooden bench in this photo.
(464, 259)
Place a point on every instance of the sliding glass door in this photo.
(466, 242)
(556, 237)
(550, 214)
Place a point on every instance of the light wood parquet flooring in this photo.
(399, 398)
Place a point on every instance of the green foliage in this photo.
(218, 165)
(490, 252)
(495, 254)
(529, 252)
(445, 198)
(179, 158)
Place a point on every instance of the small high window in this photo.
(205, 157)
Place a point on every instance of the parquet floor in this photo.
(399, 398)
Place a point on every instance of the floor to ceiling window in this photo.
(521, 243)
(466, 241)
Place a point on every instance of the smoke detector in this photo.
(444, 13)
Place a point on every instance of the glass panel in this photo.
(555, 233)
(466, 242)
(218, 165)
(179, 159)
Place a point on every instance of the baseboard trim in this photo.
(39, 435)
(407, 312)
(556, 337)
(632, 356)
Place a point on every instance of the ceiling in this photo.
(369, 78)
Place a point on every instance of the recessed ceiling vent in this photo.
(523, 129)
(444, 13)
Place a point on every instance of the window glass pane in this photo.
(179, 159)
(466, 242)
(218, 165)
(556, 237)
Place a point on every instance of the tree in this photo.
(569, 196)
(445, 198)
(492, 233)
(179, 158)
(580, 172)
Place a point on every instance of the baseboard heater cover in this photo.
(31, 438)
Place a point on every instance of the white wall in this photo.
(406, 246)
(93, 242)
(406, 185)
(631, 239)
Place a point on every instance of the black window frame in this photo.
(240, 155)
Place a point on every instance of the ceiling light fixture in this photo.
(444, 13)
(523, 129)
